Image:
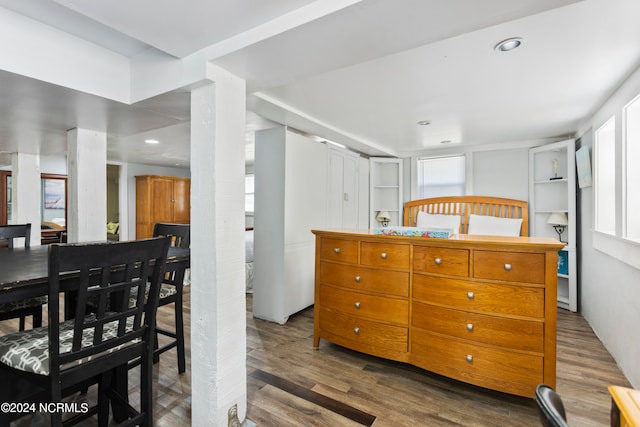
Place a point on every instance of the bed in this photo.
(471, 214)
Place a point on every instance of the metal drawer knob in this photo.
(470, 295)
(383, 255)
(357, 304)
(358, 279)
(356, 331)
(438, 261)
(336, 250)
(469, 327)
(469, 358)
(507, 267)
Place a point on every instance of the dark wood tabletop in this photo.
(24, 272)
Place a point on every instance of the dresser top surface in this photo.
(456, 240)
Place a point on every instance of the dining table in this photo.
(24, 273)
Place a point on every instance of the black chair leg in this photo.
(22, 321)
(156, 354)
(180, 334)
(37, 318)
(103, 399)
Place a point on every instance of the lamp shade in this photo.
(558, 218)
(383, 216)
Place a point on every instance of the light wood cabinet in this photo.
(161, 199)
(474, 309)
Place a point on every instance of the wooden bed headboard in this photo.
(466, 205)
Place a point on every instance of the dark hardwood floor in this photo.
(397, 394)
(291, 384)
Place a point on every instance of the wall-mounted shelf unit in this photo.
(552, 188)
(385, 182)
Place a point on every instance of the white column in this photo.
(218, 305)
(26, 188)
(87, 185)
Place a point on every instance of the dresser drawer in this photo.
(509, 266)
(387, 255)
(485, 366)
(366, 279)
(452, 262)
(369, 306)
(363, 334)
(484, 297)
(509, 333)
(339, 250)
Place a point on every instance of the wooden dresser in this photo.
(477, 309)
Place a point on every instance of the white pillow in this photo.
(494, 226)
(425, 220)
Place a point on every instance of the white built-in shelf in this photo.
(385, 178)
(555, 195)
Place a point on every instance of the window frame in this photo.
(598, 173)
(615, 245)
(419, 168)
(626, 217)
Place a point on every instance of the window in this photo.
(605, 186)
(441, 176)
(249, 194)
(632, 171)
(53, 195)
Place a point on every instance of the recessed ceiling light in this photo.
(424, 122)
(151, 141)
(509, 44)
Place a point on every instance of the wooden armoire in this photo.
(161, 199)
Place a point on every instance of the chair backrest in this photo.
(106, 273)
(180, 233)
(9, 232)
(550, 407)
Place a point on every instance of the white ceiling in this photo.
(362, 73)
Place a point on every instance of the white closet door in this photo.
(335, 193)
(350, 190)
(342, 190)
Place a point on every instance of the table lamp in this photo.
(383, 218)
(559, 222)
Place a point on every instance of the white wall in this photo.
(498, 170)
(501, 173)
(609, 289)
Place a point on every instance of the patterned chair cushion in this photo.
(7, 307)
(28, 350)
(166, 291)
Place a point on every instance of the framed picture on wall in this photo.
(54, 194)
(583, 164)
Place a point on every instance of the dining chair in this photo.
(25, 307)
(550, 407)
(66, 355)
(171, 293)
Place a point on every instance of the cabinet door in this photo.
(350, 206)
(182, 201)
(335, 196)
(162, 195)
(343, 197)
